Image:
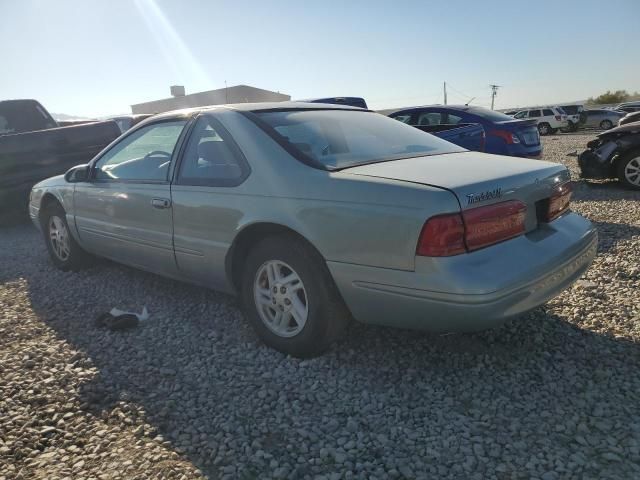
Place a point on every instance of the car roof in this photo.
(255, 107)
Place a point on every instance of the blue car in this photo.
(351, 101)
(504, 135)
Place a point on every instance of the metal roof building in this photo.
(235, 94)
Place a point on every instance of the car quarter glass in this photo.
(143, 155)
(211, 157)
(343, 138)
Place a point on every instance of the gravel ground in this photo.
(192, 394)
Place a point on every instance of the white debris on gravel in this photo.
(552, 395)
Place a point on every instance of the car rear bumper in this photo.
(525, 151)
(473, 291)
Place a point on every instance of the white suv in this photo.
(549, 119)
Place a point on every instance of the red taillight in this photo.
(558, 117)
(447, 235)
(494, 223)
(503, 134)
(442, 236)
(559, 202)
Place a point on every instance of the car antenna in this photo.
(472, 99)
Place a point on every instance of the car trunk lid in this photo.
(477, 179)
(526, 130)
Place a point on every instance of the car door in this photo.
(205, 215)
(124, 211)
(593, 118)
(535, 114)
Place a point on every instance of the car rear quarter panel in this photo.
(348, 218)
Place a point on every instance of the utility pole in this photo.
(445, 93)
(494, 92)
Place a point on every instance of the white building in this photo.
(235, 94)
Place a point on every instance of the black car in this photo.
(614, 154)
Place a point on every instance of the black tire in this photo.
(76, 257)
(327, 315)
(626, 165)
(553, 131)
(544, 128)
(606, 124)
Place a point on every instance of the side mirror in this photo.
(79, 173)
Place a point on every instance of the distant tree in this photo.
(612, 97)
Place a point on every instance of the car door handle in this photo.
(161, 203)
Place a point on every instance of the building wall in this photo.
(236, 94)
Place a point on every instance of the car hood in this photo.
(475, 178)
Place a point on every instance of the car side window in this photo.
(404, 118)
(451, 119)
(212, 158)
(534, 113)
(547, 112)
(145, 155)
(429, 118)
(520, 115)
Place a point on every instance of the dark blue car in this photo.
(504, 135)
(351, 101)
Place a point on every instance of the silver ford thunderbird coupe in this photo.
(314, 214)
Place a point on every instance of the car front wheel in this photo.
(290, 298)
(64, 251)
(629, 170)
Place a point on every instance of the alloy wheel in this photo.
(280, 298)
(632, 171)
(59, 238)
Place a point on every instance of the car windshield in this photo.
(344, 138)
(491, 115)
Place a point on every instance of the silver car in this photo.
(315, 213)
(602, 118)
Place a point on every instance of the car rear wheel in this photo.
(629, 169)
(290, 298)
(64, 251)
(606, 124)
(544, 128)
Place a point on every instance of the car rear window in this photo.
(335, 139)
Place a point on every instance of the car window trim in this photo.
(92, 164)
(244, 165)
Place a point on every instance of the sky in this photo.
(95, 58)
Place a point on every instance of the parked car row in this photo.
(568, 118)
